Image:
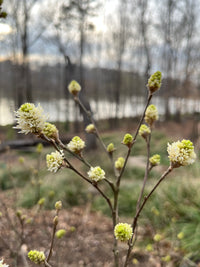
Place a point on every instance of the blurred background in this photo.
(110, 47)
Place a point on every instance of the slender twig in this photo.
(70, 166)
(89, 115)
(110, 184)
(74, 154)
(46, 264)
(134, 224)
(52, 238)
(148, 139)
(142, 118)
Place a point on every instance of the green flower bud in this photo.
(151, 114)
(29, 221)
(39, 148)
(19, 213)
(154, 82)
(72, 229)
(128, 140)
(50, 131)
(166, 258)
(74, 88)
(123, 231)
(157, 238)
(119, 163)
(58, 205)
(21, 160)
(41, 201)
(51, 194)
(155, 160)
(36, 256)
(144, 131)
(149, 248)
(90, 128)
(135, 261)
(55, 220)
(60, 233)
(110, 148)
(180, 235)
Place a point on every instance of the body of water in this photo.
(63, 110)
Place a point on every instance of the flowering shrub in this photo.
(30, 119)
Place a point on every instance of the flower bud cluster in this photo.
(90, 128)
(123, 231)
(30, 119)
(181, 153)
(119, 163)
(76, 145)
(36, 256)
(60, 233)
(54, 161)
(110, 148)
(58, 205)
(74, 88)
(151, 115)
(154, 82)
(155, 160)
(144, 131)
(96, 174)
(128, 140)
(50, 130)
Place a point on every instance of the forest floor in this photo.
(88, 240)
(89, 237)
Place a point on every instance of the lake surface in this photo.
(63, 110)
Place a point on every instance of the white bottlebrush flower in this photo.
(30, 119)
(76, 145)
(96, 174)
(181, 153)
(54, 161)
(2, 264)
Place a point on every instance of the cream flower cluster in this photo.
(181, 153)
(96, 174)
(76, 145)
(54, 161)
(30, 119)
(123, 231)
(36, 256)
(2, 264)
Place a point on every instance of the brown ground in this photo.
(89, 242)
